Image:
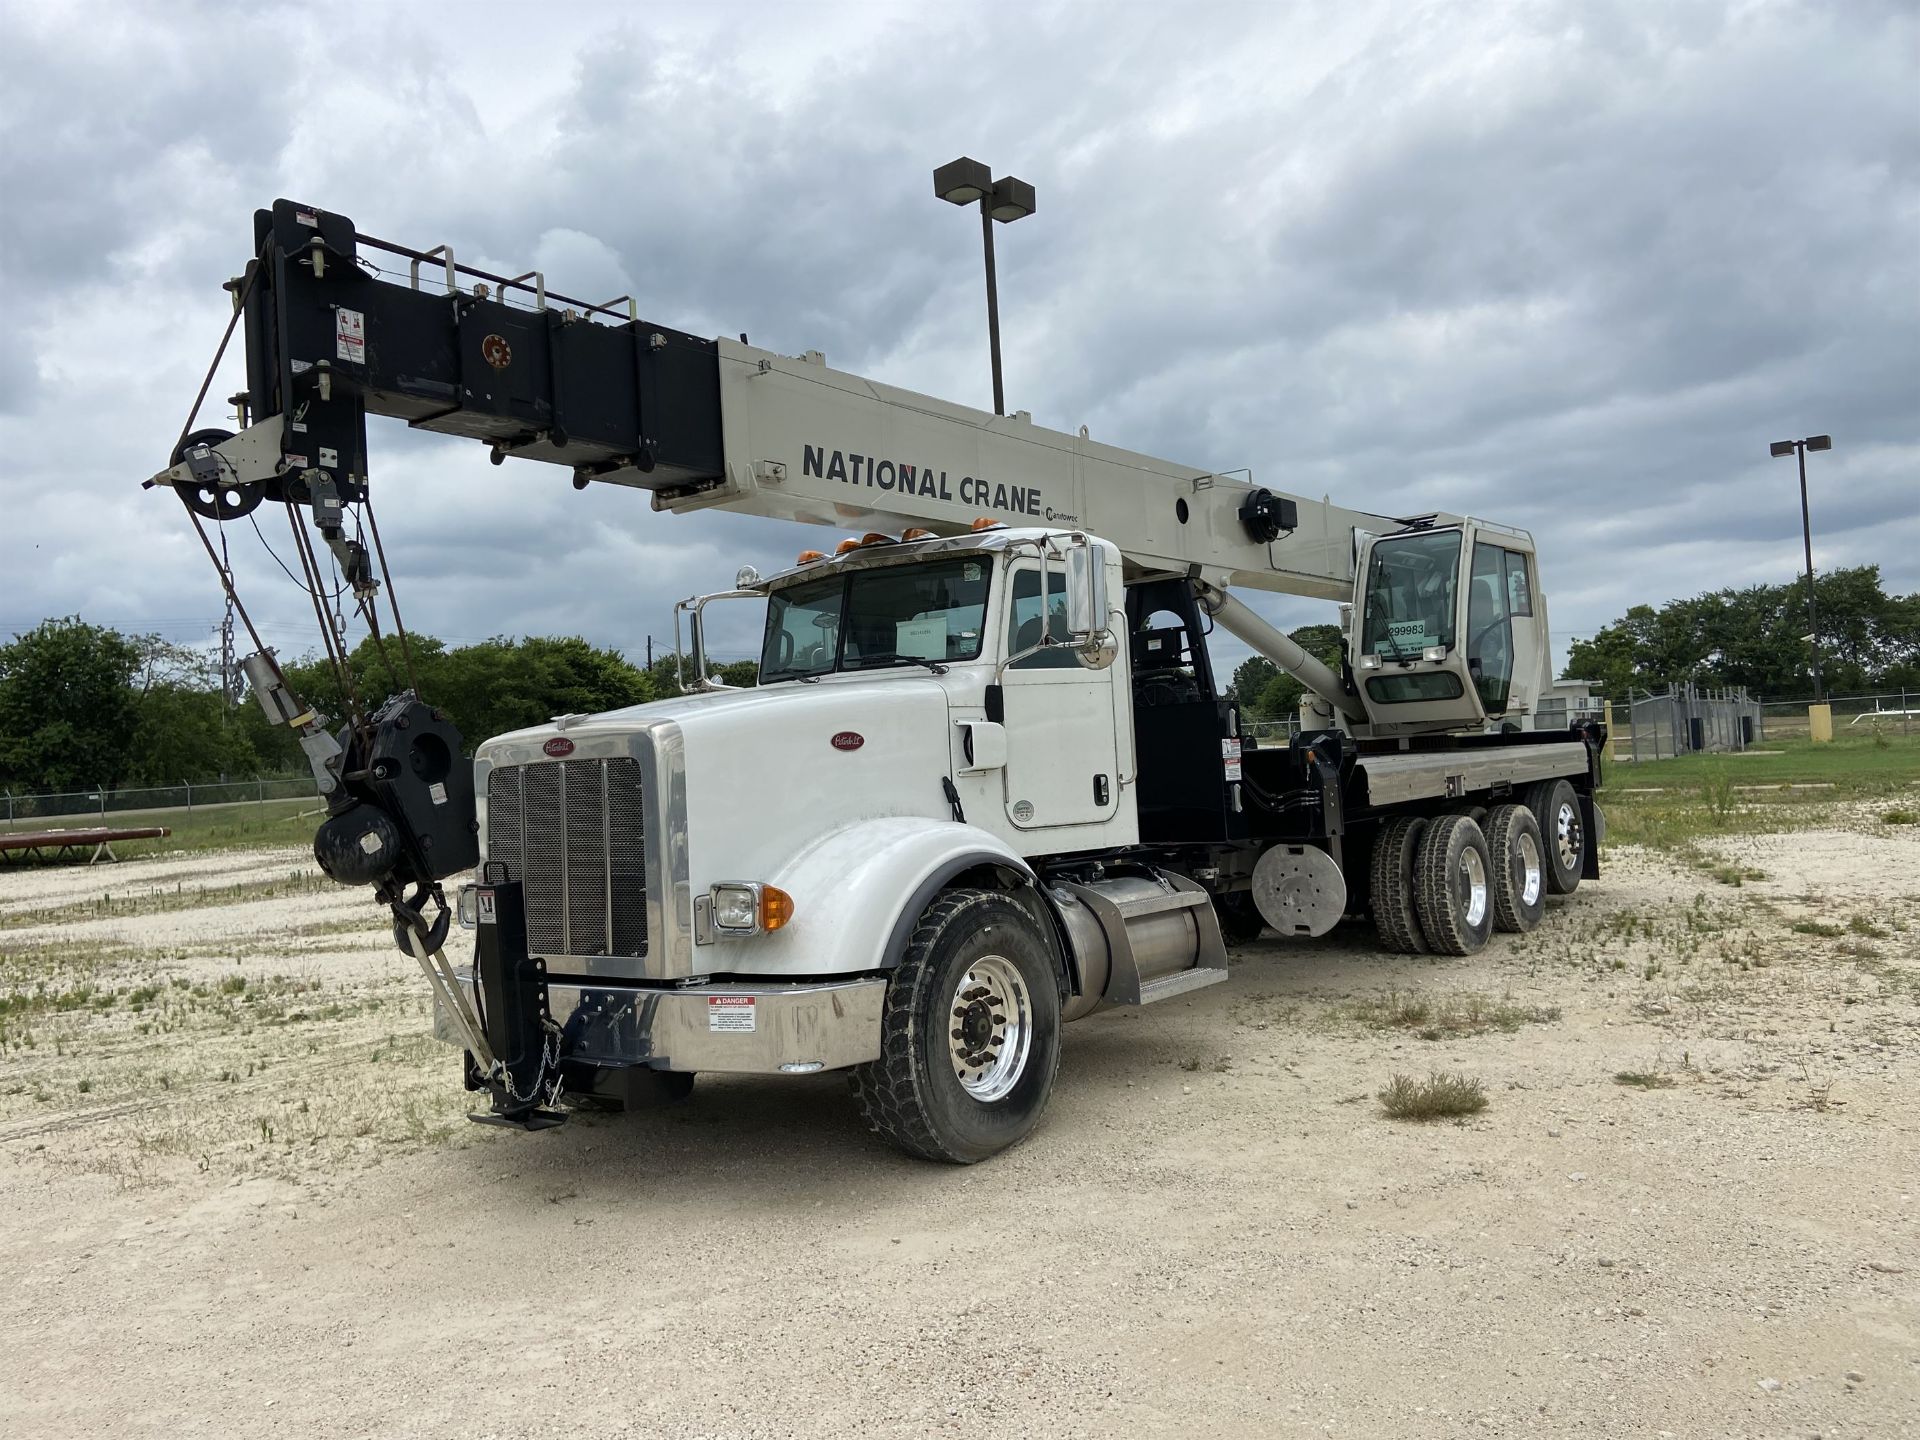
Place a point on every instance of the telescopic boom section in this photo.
(340, 326)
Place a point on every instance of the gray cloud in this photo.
(1567, 266)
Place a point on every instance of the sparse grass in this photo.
(181, 897)
(1697, 797)
(1901, 817)
(1436, 1017)
(1442, 1095)
(1817, 927)
(1643, 1079)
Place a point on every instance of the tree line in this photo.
(1756, 636)
(84, 706)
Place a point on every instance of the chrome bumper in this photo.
(759, 1029)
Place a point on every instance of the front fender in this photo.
(857, 893)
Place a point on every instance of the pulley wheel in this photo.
(215, 502)
(1299, 890)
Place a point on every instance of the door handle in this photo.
(1100, 790)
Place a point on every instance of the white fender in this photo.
(857, 892)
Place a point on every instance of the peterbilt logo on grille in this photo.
(848, 740)
(558, 746)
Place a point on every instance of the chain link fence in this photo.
(1893, 712)
(28, 812)
(1684, 720)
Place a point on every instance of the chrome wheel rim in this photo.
(1566, 835)
(1531, 877)
(990, 1028)
(1473, 885)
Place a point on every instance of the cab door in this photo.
(1063, 755)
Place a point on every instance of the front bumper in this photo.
(760, 1029)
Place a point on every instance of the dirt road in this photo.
(1215, 1231)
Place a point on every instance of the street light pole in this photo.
(1007, 199)
(993, 307)
(1799, 449)
(1806, 535)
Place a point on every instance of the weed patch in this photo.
(1442, 1095)
(1436, 1017)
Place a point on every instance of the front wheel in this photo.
(970, 1036)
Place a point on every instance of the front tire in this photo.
(1453, 886)
(970, 1036)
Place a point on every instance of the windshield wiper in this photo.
(883, 661)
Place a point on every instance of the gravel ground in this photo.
(1214, 1232)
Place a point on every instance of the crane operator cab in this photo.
(1450, 630)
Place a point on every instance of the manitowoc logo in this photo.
(907, 479)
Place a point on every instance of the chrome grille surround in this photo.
(573, 832)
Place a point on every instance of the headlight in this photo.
(749, 908)
(465, 904)
(1369, 662)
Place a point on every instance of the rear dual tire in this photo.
(1563, 833)
(1453, 888)
(1519, 868)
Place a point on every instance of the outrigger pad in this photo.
(528, 1120)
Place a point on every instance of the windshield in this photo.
(871, 619)
(1410, 589)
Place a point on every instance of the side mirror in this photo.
(1093, 642)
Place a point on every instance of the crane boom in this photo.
(701, 423)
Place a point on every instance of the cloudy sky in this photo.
(1565, 265)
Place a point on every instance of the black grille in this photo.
(573, 833)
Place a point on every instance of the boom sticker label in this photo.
(350, 335)
(730, 1014)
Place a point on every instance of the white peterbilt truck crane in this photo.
(985, 784)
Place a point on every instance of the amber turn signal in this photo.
(776, 907)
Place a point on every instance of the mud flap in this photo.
(1595, 825)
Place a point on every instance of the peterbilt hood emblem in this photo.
(558, 746)
(848, 740)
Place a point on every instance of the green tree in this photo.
(489, 689)
(1250, 681)
(1756, 637)
(184, 729)
(68, 707)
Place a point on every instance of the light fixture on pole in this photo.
(961, 182)
(1778, 449)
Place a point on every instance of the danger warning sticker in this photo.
(1230, 758)
(350, 336)
(730, 1014)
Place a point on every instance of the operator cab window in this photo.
(1024, 620)
(1489, 625)
(1410, 595)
